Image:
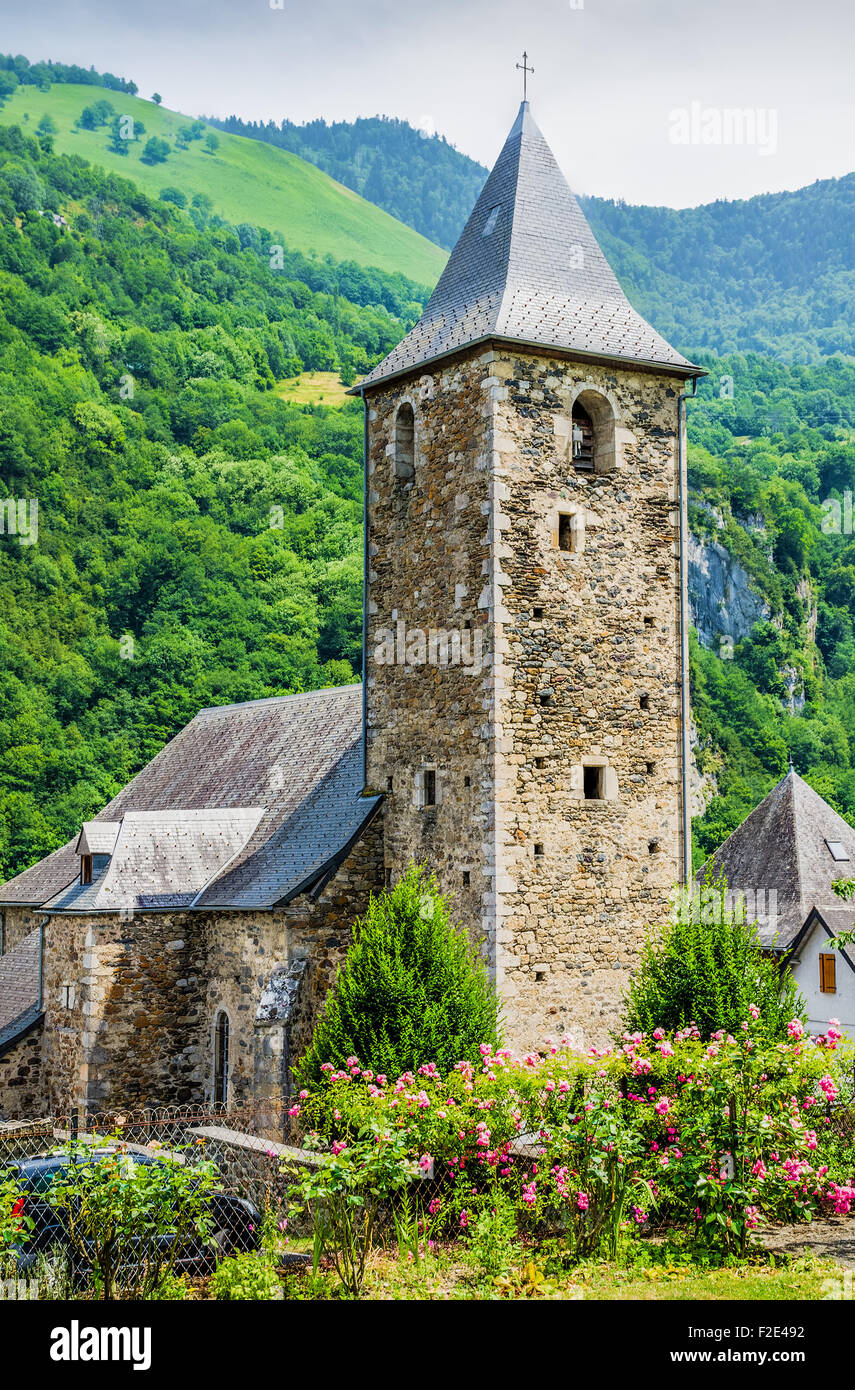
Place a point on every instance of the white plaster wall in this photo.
(821, 1007)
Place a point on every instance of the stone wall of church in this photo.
(579, 666)
(243, 952)
(21, 1090)
(131, 1002)
(18, 922)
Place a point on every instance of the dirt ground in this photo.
(833, 1239)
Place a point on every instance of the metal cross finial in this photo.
(525, 70)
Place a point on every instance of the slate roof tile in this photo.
(245, 806)
(19, 988)
(781, 847)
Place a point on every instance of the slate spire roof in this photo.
(527, 269)
(783, 847)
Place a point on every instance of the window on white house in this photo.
(827, 974)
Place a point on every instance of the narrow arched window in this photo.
(221, 1058)
(583, 439)
(593, 436)
(405, 442)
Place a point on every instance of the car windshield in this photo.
(40, 1174)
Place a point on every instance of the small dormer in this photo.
(95, 845)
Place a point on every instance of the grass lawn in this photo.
(651, 1274)
(246, 180)
(313, 388)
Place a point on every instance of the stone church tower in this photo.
(523, 601)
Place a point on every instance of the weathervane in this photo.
(525, 70)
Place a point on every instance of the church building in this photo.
(520, 728)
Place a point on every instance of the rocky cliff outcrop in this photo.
(722, 602)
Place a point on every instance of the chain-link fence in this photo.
(165, 1191)
(140, 1194)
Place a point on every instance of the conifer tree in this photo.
(411, 990)
(706, 965)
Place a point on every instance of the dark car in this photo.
(236, 1223)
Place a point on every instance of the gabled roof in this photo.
(527, 269)
(781, 847)
(247, 806)
(98, 837)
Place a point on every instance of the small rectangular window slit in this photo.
(593, 783)
(565, 531)
(429, 787)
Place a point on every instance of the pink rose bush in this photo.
(720, 1133)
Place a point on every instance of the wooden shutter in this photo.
(827, 974)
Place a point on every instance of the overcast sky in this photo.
(623, 89)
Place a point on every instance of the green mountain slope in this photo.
(174, 534)
(214, 521)
(772, 274)
(246, 181)
(417, 177)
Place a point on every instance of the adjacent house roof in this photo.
(19, 989)
(528, 269)
(783, 847)
(246, 807)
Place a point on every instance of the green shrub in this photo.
(15, 1225)
(412, 990)
(245, 1277)
(344, 1195)
(173, 1288)
(705, 965)
(130, 1222)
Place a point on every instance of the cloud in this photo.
(608, 74)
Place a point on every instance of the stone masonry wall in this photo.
(21, 1091)
(429, 572)
(592, 678)
(560, 886)
(131, 1003)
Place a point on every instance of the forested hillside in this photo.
(773, 274)
(199, 533)
(198, 539)
(765, 470)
